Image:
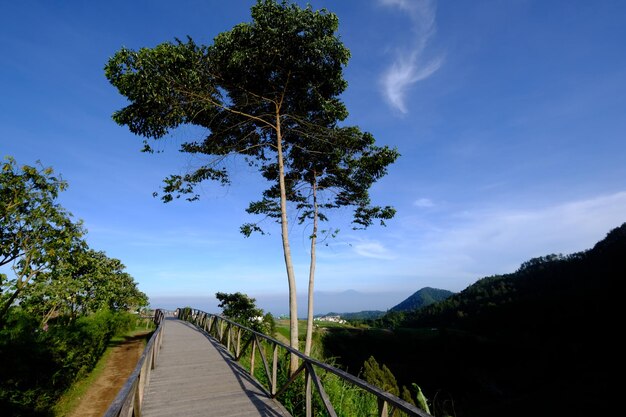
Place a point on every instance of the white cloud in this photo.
(468, 246)
(372, 249)
(424, 203)
(410, 65)
(564, 227)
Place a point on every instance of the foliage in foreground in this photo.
(39, 364)
(60, 302)
(53, 271)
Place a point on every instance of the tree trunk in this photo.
(4, 309)
(20, 284)
(293, 303)
(309, 320)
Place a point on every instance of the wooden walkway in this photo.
(195, 376)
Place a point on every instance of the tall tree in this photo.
(335, 167)
(263, 90)
(36, 232)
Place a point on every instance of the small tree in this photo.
(383, 378)
(242, 309)
(380, 376)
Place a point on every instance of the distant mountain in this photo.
(363, 315)
(422, 298)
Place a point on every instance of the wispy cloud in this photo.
(372, 249)
(466, 246)
(424, 203)
(410, 65)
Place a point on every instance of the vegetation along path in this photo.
(120, 362)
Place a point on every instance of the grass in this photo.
(282, 327)
(71, 398)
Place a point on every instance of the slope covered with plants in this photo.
(539, 341)
(422, 298)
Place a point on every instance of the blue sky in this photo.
(510, 117)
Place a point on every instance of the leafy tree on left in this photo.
(35, 231)
(88, 282)
(54, 272)
(60, 301)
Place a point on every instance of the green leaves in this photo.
(243, 310)
(280, 72)
(341, 164)
(83, 283)
(379, 376)
(167, 86)
(278, 77)
(54, 272)
(35, 231)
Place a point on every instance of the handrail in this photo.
(221, 329)
(130, 398)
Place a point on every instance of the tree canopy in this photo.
(35, 230)
(54, 271)
(87, 282)
(242, 309)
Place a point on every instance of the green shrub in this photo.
(38, 364)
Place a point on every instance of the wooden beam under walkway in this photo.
(195, 376)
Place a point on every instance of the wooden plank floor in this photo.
(194, 376)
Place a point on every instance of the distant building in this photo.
(332, 319)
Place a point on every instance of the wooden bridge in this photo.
(195, 376)
(199, 364)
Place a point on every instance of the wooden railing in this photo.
(241, 341)
(130, 398)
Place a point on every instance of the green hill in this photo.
(547, 295)
(422, 298)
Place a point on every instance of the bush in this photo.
(37, 365)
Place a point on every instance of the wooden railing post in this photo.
(252, 355)
(382, 408)
(238, 347)
(136, 411)
(274, 369)
(228, 335)
(307, 394)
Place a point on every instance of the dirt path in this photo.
(120, 364)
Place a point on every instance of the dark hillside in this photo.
(541, 341)
(543, 295)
